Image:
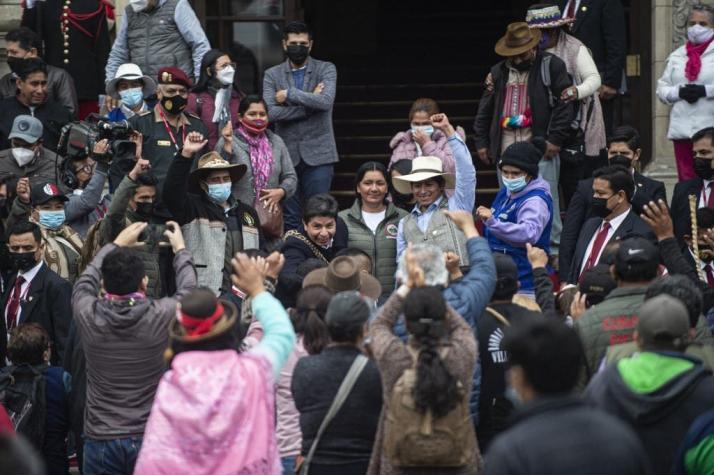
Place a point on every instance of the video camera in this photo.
(77, 139)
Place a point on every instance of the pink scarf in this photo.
(214, 413)
(694, 59)
(261, 159)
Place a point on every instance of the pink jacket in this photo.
(288, 429)
(226, 395)
(404, 147)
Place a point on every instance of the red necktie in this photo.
(571, 9)
(14, 305)
(710, 274)
(597, 246)
(710, 201)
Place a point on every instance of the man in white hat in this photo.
(427, 222)
(131, 87)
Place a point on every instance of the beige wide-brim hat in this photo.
(343, 274)
(423, 168)
(130, 72)
(212, 161)
(519, 38)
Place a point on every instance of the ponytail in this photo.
(309, 317)
(436, 388)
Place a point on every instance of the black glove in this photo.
(692, 92)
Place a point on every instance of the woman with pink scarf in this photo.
(687, 84)
(214, 411)
(271, 176)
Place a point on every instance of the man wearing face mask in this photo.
(624, 149)
(23, 43)
(300, 94)
(520, 106)
(687, 84)
(165, 128)
(613, 218)
(215, 225)
(62, 245)
(131, 87)
(134, 201)
(156, 34)
(27, 157)
(34, 294)
(702, 186)
(522, 212)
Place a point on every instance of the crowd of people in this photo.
(182, 294)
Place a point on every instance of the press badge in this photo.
(163, 143)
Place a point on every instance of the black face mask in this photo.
(599, 208)
(174, 105)
(703, 169)
(23, 261)
(15, 64)
(145, 210)
(3, 202)
(297, 53)
(621, 160)
(523, 66)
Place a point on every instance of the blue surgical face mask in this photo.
(132, 97)
(514, 185)
(52, 219)
(219, 193)
(427, 129)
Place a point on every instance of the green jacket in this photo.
(705, 353)
(609, 323)
(381, 246)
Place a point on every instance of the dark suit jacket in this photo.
(680, 207)
(632, 224)
(600, 24)
(48, 303)
(578, 212)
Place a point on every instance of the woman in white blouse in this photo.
(586, 82)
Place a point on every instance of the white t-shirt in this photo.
(372, 220)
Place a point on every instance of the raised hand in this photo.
(194, 143)
(175, 236)
(656, 215)
(246, 275)
(129, 237)
(140, 166)
(536, 256)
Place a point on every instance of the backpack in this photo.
(416, 439)
(22, 393)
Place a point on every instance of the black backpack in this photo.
(22, 393)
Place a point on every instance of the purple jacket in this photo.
(203, 106)
(532, 218)
(404, 147)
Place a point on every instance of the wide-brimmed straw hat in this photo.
(208, 163)
(519, 38)
(546, 16)
(344, 274)
(423, 168)
(130, 72)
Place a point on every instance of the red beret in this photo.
(173, 76)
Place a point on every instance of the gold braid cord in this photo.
(695, 240)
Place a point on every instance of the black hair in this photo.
(436, 388)
(248, 100)
(506, 288)
(24, 227)
(704, 133)
(209, 61)
(403, 166)
(147, 179)
(682, 289)
(705, 218)
(309, 265)
(26, 38)
(549, 352)
(371, 167)
(626, 134)
(322, 205)
(354, 252)
(619, 178)
(296, 28)
(28, 343)
(308, 317)
(122, 271)
(30, 66)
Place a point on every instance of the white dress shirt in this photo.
(24, 288)
(704, 195)
(614, 224)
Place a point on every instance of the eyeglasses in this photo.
(86, 169)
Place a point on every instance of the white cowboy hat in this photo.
(423, 168)
(131, 72)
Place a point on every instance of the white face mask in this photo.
(699, 34)
(22, 156)
(139, 5)
(226, 75)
